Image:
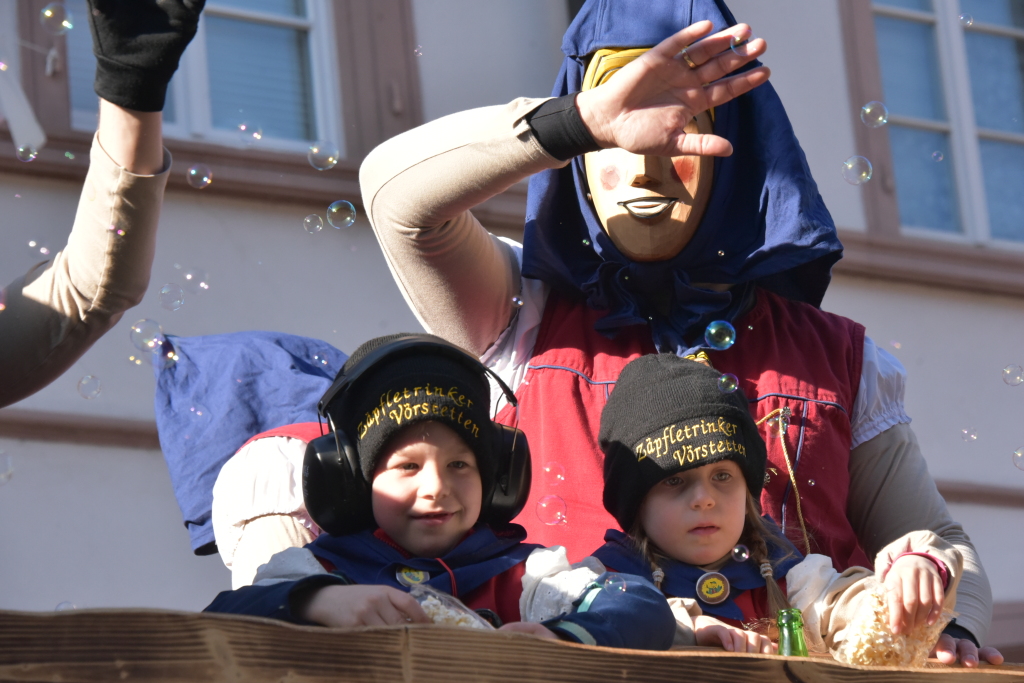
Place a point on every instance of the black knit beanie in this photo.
(415, 386)
(665, 415)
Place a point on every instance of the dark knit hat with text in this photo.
(665, 415)
(416, 384)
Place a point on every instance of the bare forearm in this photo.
(133, 139)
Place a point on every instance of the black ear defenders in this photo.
(337, 494)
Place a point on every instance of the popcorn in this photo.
(445, 610)
(869, 642)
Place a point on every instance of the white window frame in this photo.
(968, 178)
(193, 115)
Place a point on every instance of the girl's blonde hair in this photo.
(757, 537)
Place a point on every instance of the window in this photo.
(258, 72)
(296, 71)
(952, 77)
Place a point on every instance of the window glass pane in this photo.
(1003, 166)
(82, 64)
(292, 8)
(910, 72)
(996, 67)
(924, 186)
(1002, 12)
(260, 74)
(921, 5)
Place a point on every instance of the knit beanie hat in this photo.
(666, 415)
(413, 386)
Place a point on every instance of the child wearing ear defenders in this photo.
(684, 467)
(428, 467)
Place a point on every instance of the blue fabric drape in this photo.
(765, 213)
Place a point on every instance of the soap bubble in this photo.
(323, 155)
(116, 230)
(56, 19)
(6, 468)
(728, 383)
(199, 176)
(418, 51)
(341, 214)
(969, 434)
(737, 42)
(163, 356)
(313, 223)
(27, 154)
(966, 20)
(740, 553)
(874, 114)
(1018, 459)
(586, 242)
(250, 132)
(198, 412)
(69, 155)
(65, 606)
(89, 387)
(937, 156)
(554, 474)
(196, 279)
(1013, 375)
(551, 510)
(44, 251)
(615, 584)
(895, 344)
(517, 302)
(720, 335)
(146, 335)
(320, 358)
(857, 170)
(172, 297)
(778, 425)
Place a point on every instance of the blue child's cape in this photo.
(224, 389)
(764, 214)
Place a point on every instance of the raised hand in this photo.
(645, 107)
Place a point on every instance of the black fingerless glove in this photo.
(138, 44)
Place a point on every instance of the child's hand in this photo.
(712, 632)
(914, 593)
(529, 627)
(349, 606)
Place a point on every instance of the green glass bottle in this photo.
(791, 633)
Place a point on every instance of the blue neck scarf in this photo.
(482, 555)
(681, 579)
(765, 214)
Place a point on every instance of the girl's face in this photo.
(697, 516)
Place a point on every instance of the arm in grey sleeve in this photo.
(56, 311)
(418, 189)
(892, 494)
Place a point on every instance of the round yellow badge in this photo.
(407, 576)
(713, 588)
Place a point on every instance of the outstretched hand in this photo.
(646, 106)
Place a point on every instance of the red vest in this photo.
(786, 354)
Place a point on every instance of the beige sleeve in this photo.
(56, 311)
(892, 494)
(418, 189)
(262, 538)
(685, 610)
(849, 593)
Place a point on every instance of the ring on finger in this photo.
(688, 59)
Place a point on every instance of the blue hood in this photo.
(765, 214)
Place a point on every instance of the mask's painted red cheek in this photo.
(683, 169)
(609, 177)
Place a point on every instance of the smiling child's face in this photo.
(697, 516)
(427, 491)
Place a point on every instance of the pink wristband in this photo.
(939, 564)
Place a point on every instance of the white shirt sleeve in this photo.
(512, 350)
(879, 403)
(263, 478)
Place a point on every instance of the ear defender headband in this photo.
(335, 489)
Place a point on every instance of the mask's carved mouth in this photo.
(648, 207)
